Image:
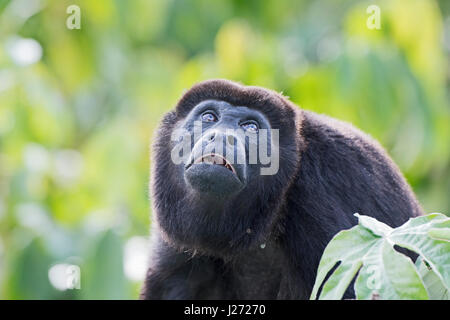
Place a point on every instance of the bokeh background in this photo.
(78, 109)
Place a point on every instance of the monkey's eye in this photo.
(250, 126)
(209, 117)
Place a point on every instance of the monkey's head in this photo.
(223, 161)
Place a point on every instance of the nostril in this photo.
(212, 136)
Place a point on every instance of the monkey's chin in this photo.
(213, 179)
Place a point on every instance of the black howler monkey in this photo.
(224, 230)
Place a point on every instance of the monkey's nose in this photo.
(220, 136)
(211, 136)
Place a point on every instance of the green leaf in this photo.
(439, 234)
(389, 275)
(379, 228)
(414, 235)
(336, 285)
(385, 273)
(348, 247)
(435, 287)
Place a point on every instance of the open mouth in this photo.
(213, 158)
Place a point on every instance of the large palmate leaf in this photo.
(367, 251)
(435, 287)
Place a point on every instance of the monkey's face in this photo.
(228, 147)
(223, 161)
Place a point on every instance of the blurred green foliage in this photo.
(78, 109)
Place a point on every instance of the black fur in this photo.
(328, 171)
